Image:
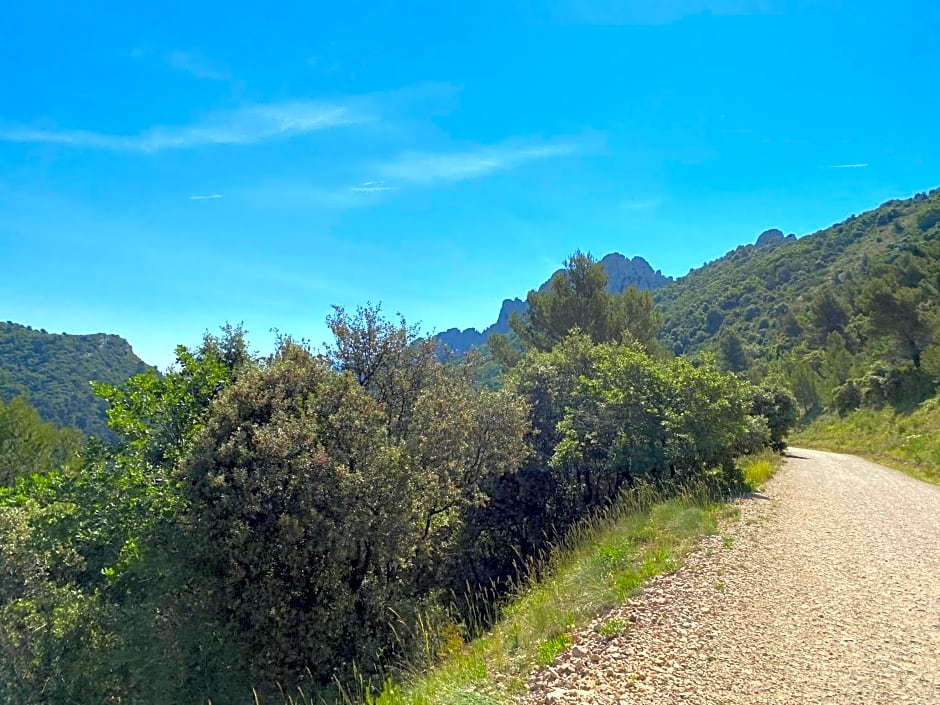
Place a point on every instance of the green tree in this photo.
(299, 504)
(901, 314)
(577, 297)
(828, 313)
(805, 383)
(613, 431)
(29, 446)
(732, 354)
(389, 359)
(635, 316)
(780, 409)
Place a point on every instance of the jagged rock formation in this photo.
(460, 341)
(773, 237)
(622, 273)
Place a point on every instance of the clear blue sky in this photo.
(167, 167)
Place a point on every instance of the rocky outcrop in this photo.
(622, 273)
(460, 341)
(509, 307)
(773, 237)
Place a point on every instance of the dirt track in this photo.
(825, 590)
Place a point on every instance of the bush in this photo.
(779, 408)
(899, 386)
(928, 218)
(847, 397)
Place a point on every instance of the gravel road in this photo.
(825, 589)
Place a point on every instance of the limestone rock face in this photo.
(509, 307)
(622, 272)
(460, 341)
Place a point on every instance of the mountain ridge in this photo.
(853, 303)
(622, 272)
(55, 370)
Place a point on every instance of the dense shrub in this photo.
(280, 520)
(847, 397)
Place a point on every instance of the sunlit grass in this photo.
(907, 441)
(613, 627)
(758, 469)
(601, 564)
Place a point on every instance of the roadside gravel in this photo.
(824, 589)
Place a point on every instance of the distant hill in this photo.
(54, 371)
(765, 292)
(622, 272)
(849, 316)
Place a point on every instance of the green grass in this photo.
(602, 564)
(758, 469)
(613, 627)
(549, 649)
(909, 442)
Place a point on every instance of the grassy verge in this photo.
(601, 565)
(909, 442)
(758, 469)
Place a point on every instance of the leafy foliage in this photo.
(29, 446)
(284, 520)
(577, 297)
(99, 604)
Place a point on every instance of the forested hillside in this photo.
(855, 304)
(55, 371)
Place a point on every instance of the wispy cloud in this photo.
(205, 197)
(246, 125)
(373, 187)
(848, 166)
(197, 65)
(300, 195)
(428, 167)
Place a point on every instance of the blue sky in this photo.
(170, 167)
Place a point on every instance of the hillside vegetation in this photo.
(55, 371)
(29, 446)
(314, 518)
(908, 440)
(847, 316)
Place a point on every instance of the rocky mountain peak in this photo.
(622, 272)
(773, 237)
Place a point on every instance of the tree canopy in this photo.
(577, 297)
(286, 520)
